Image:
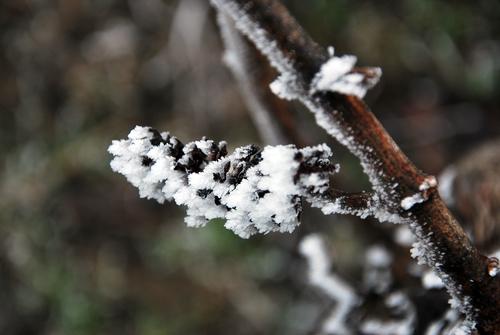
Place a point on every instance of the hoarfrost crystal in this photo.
(256, 191)
(339, 75)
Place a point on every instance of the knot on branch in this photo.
(256, 191)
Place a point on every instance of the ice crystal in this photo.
(408, 202)
(256, 191)
(339, 75)
(289, 85)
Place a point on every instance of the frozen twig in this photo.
(256, 191)
(313, 249)
(237, 58)
(405, 325)
(334, 201)
(441, 242)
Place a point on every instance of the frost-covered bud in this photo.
(339, 75)
(256, 191)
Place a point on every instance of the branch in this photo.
(237, 58)
(362, 204)
(404, 193)
(256, 191)
(313, 249)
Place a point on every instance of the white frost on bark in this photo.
(339, 75)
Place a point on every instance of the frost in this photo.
(428, 253)
(290, 86)
(339, 75)
(432, 281)
(408, 202)
(256, 191)
(258, 35)
(417, 198)
(428, 183)
(284, 87)
(313, 249)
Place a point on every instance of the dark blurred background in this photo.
(81, 253)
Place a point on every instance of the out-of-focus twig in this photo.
(269, 114)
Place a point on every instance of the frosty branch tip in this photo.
(256, 191)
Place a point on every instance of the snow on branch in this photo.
(339, 75)
(256, 191)
(237, 58)
(450, 323)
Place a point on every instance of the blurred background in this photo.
(81, 253)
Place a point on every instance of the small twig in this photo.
(362, 204)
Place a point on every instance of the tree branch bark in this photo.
(442, 243)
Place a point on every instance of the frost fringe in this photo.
(256, 191)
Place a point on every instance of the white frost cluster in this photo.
(256, 191)
(417, 198)
(339, 75)
(408, 202)
(431, 280)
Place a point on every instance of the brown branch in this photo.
(444, 245)
(334, 201)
